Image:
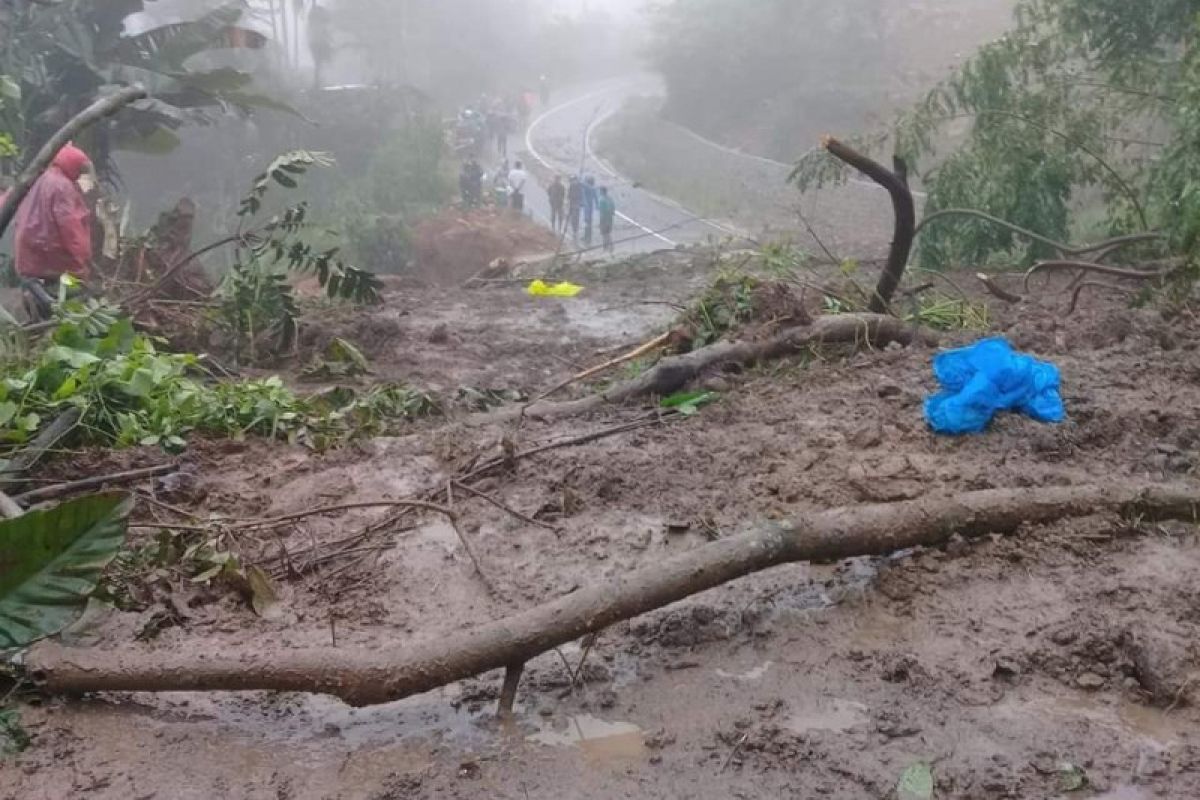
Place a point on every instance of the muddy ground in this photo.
(1015, 666)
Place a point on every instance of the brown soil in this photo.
(454, 245)
(1000, 662)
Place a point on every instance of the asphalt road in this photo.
(559, 139)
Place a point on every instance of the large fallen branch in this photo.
(102, 108)
(366, 677)
(896, 184)
(673, 373)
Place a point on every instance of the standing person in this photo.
(557, 194)
(53, 229)
(574, 206)
(544, 91)
(517, 178)
(607, 209)
(589, 208)
(470, 183)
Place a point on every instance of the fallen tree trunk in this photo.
(674, 373)
(367, 677)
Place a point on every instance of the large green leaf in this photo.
(169, 46)
(50, 562)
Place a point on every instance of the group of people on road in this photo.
(581, 200)
(508, 185)
(577, 204)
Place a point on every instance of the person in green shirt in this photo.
(607, 210)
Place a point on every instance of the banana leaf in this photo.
(51, 561)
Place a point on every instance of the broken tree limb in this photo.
(896, 184)
(61, 489)
(996, 290)
(367, 677)
(101, 109)
(673, 373)
(1108, 287)
(1091, 266)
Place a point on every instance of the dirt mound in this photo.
(453, 245)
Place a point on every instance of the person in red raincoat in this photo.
(53, 225)
(53, 231)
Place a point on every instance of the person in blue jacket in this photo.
(589, 208)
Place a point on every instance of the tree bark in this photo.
(366, 677)
(102, 108)
(673, 373)
(905, 210)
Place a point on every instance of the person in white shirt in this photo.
(517, 178)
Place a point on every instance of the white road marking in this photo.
(549, 165)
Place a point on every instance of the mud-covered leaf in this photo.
(13, 737)
(916, 783)
(262, 590)
(50, 562)
(1071, 777)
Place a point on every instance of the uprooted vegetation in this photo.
(311, 559)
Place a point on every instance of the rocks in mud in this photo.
(440, 334)
(1090, 682)
(1165, 664)
(691, 626)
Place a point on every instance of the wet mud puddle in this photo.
(600, 741)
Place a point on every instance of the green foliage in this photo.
(341, 359)
(13, 736)
(916, 783)
(688, 403)
(64, 55)
(942, 312)
(725, 305)
(130, 394)
(53, 560)
(1052, 118)
(256, 299)
(408, 176)
(140, 574)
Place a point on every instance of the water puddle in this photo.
(827, 714)
(599, 740)
(752, 675)
(1149, 726)
(1124, 793)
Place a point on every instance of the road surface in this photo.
(559, 139)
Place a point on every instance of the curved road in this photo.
(560, 140)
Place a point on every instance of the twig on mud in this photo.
(275, 522)
(649, 347)
(488, 466)
(508, 509)
(1111, 287)
(1179, 695)
(813, 233)
(60, 489)
(566, 664)
(589, 642)
(737, 748)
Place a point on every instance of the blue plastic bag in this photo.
(986, 378)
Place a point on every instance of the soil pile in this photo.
(454, 245)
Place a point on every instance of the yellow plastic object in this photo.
(543, 289)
